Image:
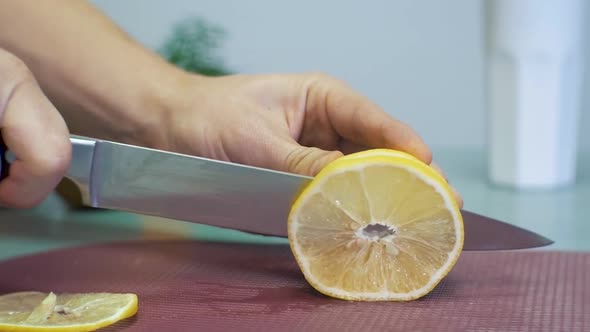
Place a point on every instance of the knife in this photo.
(146, 181)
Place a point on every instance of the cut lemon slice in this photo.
(36, 311)
(377, 225)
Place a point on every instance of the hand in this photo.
(34, 131)
(292, 123)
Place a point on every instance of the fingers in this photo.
(358, 120)
(34, 132)
(294, 158)
(360, 123)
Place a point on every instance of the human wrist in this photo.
(171, 102)
(152, 108)
(127, 107)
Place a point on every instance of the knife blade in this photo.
(117, 176)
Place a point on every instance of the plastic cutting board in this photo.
(200, 286)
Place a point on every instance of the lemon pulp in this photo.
(38, 311)
(376, 225)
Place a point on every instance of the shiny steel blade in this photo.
(151, 182)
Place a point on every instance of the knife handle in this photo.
(3, 161)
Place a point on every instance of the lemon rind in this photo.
(358, 162)
(125, 312)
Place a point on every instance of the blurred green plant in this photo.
(193, 45)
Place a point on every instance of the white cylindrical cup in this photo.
(534, 62)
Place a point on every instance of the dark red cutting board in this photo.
(199, 286)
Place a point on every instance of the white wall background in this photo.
(421, 60)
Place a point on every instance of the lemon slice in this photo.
(377, 225)
(36, 311)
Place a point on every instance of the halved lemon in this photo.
(37, 311)
(377, 225)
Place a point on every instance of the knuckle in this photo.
(294, 159)
(320, 76)
(55, 161)
(14, 73)
(14, 68)
(309, 160)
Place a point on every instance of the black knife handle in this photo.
(3, 161)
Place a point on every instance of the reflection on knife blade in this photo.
(146, 181)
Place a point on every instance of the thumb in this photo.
(303, 160)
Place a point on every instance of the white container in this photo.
(534, 60)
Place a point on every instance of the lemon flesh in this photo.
(376, 225)
(37, 311)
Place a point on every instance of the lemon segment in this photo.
(37, 311)
(376, 225)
